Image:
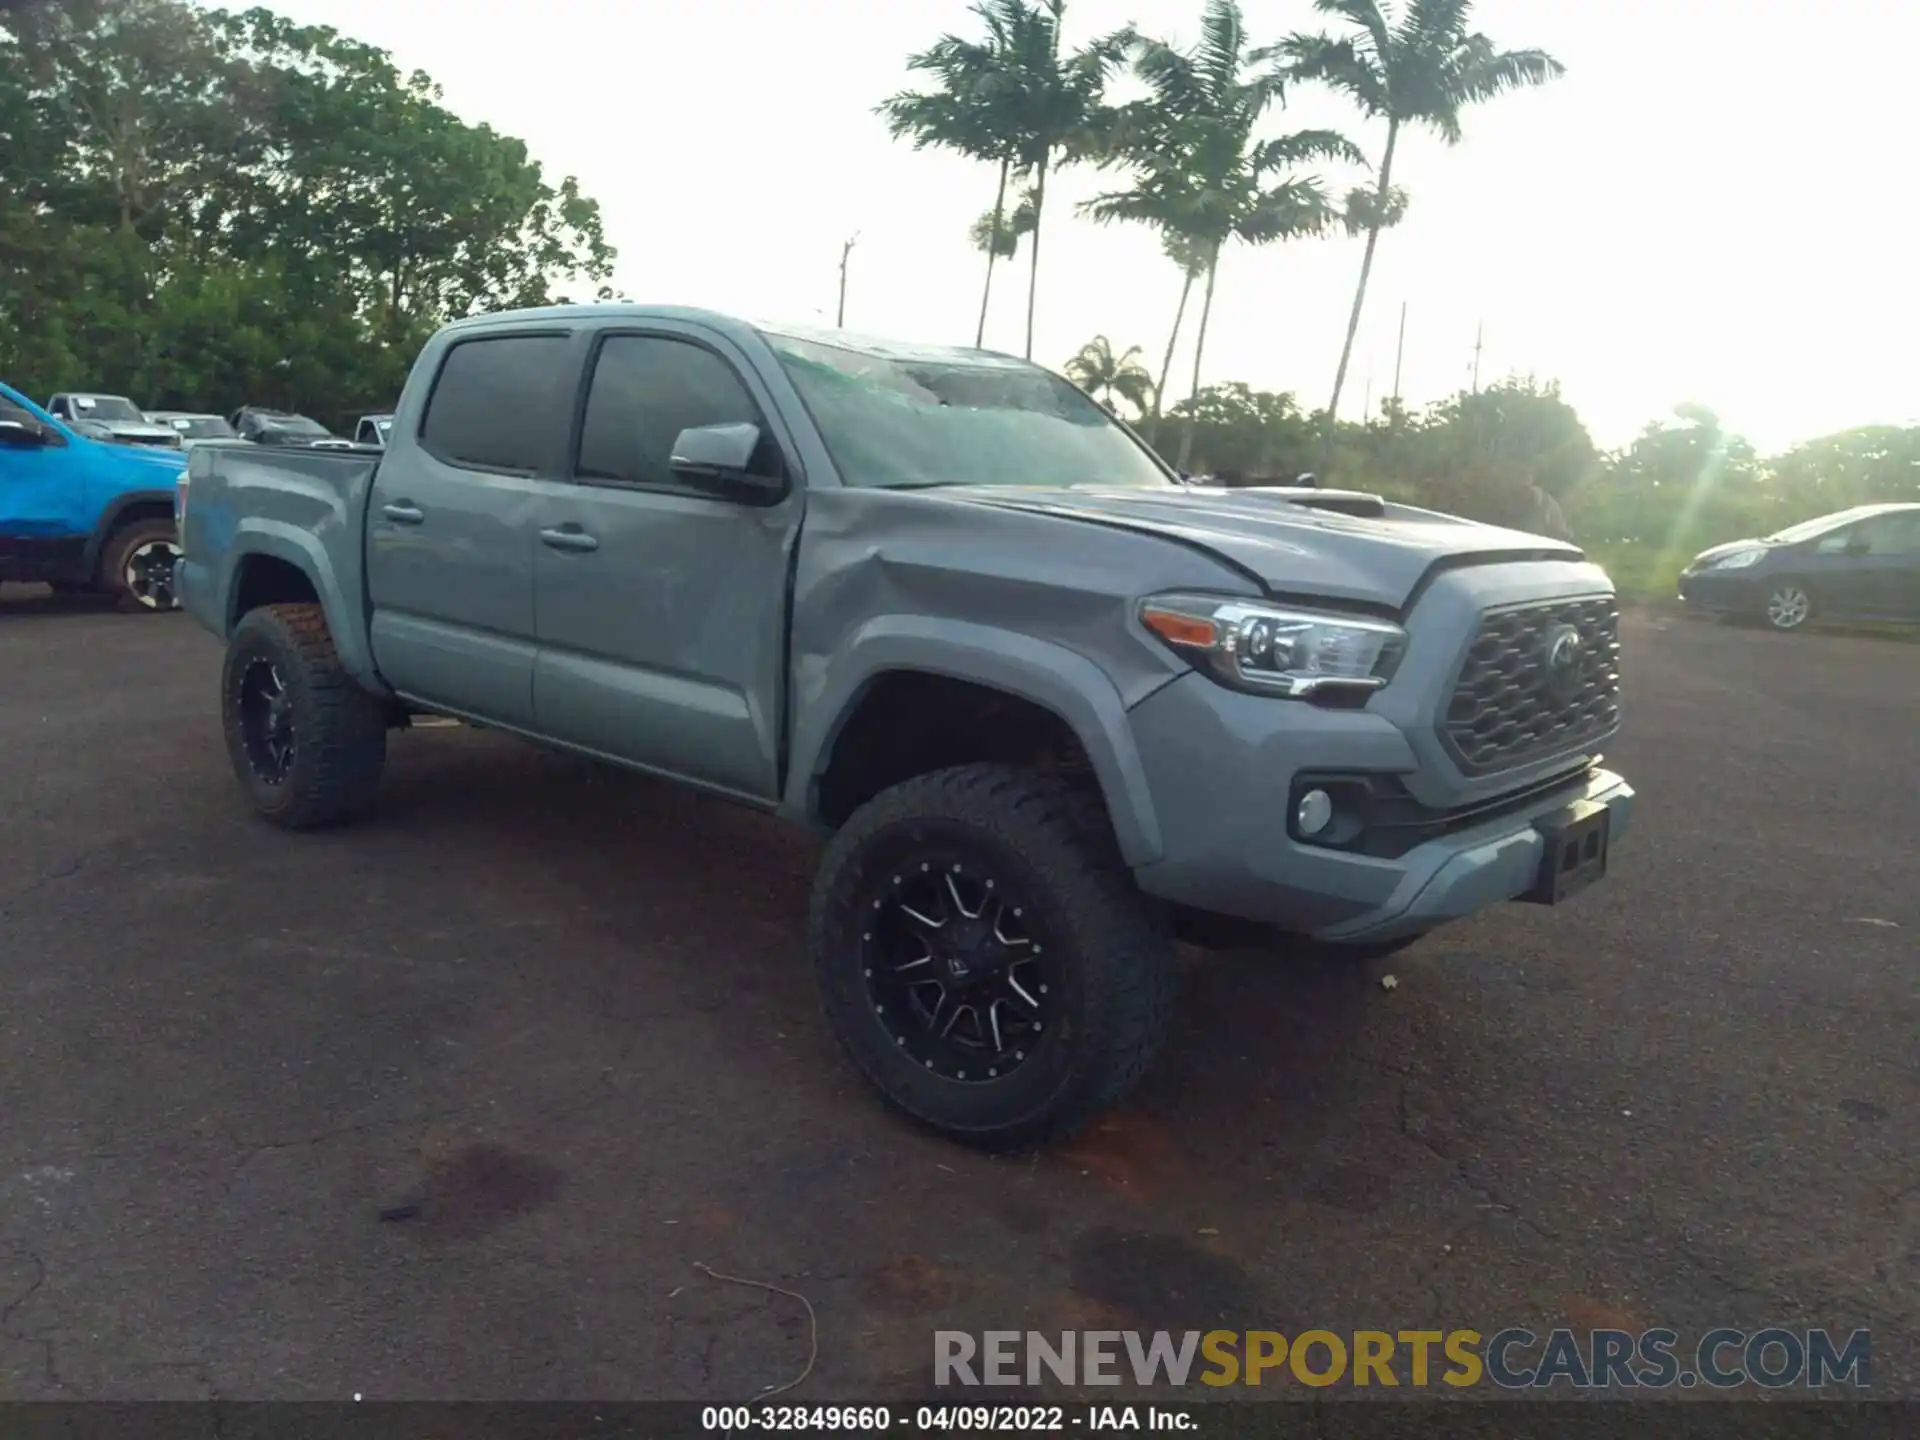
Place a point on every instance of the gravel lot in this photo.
(565, 1013)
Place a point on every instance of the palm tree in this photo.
(1057, 113)
(1199, 172)
(1104, 375)
(1192, 261)
(968, 112)
(997, 235)
(1416, 64)
(1014, 100)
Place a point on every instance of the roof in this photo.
(739, 328)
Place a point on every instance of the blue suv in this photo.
(84, 514)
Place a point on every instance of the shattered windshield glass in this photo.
(898, 422)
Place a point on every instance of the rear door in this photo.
(450, 524)
(663, 608)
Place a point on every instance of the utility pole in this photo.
(846, 250)
(1399, 352)
(1479, 337)
(1366, 402)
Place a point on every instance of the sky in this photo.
(1713, 205)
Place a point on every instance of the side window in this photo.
(498, 403)
(645, 391)
(17, 414)
(58, 408)
(1837, 542)
(1891, 534)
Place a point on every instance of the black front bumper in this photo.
(1709, 592)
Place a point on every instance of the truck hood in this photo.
(1297, 543)
(141, 466)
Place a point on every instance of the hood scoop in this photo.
(1340, 502)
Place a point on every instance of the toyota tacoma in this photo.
(1050, 708)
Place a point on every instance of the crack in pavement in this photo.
(1489, 1198)
(66, 872)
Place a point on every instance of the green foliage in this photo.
(204, 209)
(1107, 376)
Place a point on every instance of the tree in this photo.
(204, 208)
(1105, 375)
(1251, 432)
(970, 113)
(1018, 100)
(1201, 172)
(1412, 65)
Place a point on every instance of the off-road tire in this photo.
(120, 547)
(1113, 949)
(340, 730)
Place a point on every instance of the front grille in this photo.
(1512, 705)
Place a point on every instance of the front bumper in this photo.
(1721, 592)
(1221, 767)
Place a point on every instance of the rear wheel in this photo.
(136, 567)
(984, 957)
(1789, 605)
(307, 743)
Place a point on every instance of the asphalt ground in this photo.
(554, 1023)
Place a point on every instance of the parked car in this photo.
(281, 427)
(122, 419)
(373, 430)
(1861, 564)
(1052, 707)
(192, 427)
(81, 513)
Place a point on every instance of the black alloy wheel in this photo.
(957, 966)
(266, 722)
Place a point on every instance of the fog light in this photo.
(1315, 812)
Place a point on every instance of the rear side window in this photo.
(498, 403)
(645, 391)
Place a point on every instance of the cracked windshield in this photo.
(970, 716)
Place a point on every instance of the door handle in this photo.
(570, 538)
(403, 512)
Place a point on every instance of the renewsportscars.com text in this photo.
(1512, 1359)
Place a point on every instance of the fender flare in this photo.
(301, 549)
(1045, 674)
(109, 521)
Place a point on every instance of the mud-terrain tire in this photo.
(306, 742)
(136, 567)
(1055, 918)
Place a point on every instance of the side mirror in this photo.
(720, 457)
(21, 434)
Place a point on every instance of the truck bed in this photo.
(306, 507)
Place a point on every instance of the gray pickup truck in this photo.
(1052, 708)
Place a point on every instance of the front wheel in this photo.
(984, 957)
(1789, 605)
(307, 743)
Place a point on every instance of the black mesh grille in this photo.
(1512, 706)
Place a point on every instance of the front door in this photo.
(450, 526)
(44, 522)
(1890, 570)
(662, 608)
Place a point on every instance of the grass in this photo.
(1643, 574)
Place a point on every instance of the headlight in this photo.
(1276, 650)
(1739, 560)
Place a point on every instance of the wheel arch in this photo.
(263, 554)
(1058, 683)
(121, 512)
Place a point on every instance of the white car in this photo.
(124, 423)
(193, 427)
